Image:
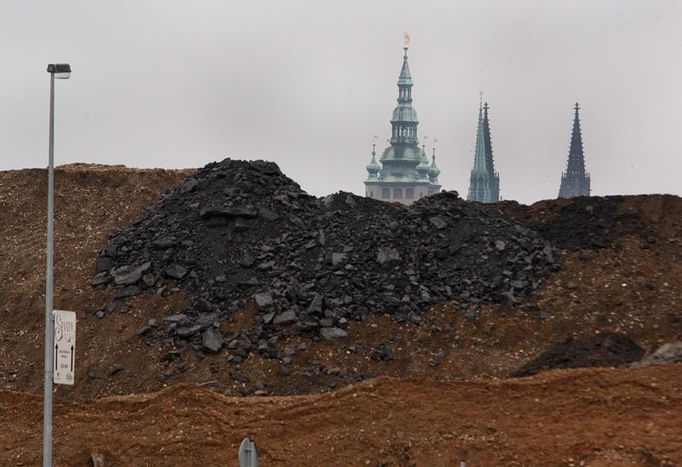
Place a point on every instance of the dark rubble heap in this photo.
(237, 231)
(604, 349)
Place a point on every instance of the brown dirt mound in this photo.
(633, 287)
(591, 417)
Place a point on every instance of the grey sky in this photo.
(308, 83)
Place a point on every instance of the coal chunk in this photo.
(285, 318)
(332, 334)
(127, 275)
(212, 340)
(388, 256)
(263, 301)
(176, 271)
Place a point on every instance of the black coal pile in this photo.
(585, 223)
(238, 231)
(603, 349)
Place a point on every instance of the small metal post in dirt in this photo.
(248, 455)
(59, 71)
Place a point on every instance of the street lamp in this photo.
(58, 71)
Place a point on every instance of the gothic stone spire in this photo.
(575, 181)
(484, 182)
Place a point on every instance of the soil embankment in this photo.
(587, 417)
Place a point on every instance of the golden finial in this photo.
(406, 36)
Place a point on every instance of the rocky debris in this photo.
(383, 352)
(263, 301)
(667, 353)
(284, 318)
(212, 340)
(151, 325)
(388, 256)
(116, 368)
(332, 334)
(604, 349)
(237, 231)
(128, 275)
(584, 222)
(175, 271)
(128, 291)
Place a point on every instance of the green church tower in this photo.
(403, 173)
(484, 182)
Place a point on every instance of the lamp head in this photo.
(60, 70)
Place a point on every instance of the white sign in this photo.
(64, 346)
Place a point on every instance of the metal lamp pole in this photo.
(59, 71)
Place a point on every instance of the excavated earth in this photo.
(617, 273)
(587, 417)
(238, 232)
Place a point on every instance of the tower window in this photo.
(385, 193)
(409, 193)
(397, 193)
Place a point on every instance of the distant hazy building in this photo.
(484, 182)
(575, 181)
(403, 173)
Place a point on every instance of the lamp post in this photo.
(58, 71)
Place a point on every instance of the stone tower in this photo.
(484, 182)
(575, 181)
(403, 173)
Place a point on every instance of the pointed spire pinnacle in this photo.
(487, 140)
(575, 181)
(576, 136)
(484, 181)
(405, 78)
(434, 171)
(480, 159)
(373, 168)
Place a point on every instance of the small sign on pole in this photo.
(64, 346)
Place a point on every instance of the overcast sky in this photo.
(308, 83)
